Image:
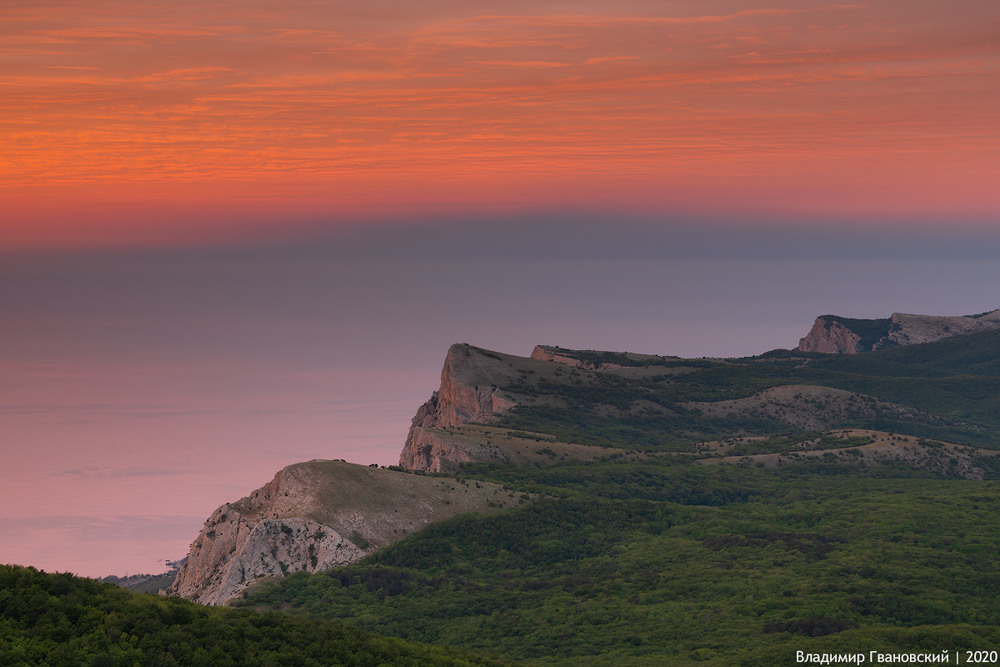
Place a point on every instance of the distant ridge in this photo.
(832, 334)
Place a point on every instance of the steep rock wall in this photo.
(830, 337)
(466, 395)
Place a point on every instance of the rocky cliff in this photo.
(831, 336)
(840, 335)
(316, 515)
(468, 394)
(468, 391)
(453, 427)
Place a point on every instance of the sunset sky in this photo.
(237, 235)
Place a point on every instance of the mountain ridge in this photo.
(559, 406)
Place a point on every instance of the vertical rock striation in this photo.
(830, 336)
(468, 394)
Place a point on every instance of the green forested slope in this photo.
(634, 564)
(957, 378)
(59, 619)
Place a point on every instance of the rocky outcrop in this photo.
(830, 337)
(468, 394)
(839, 335)
(313, 516)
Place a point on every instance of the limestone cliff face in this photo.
(466, 396)
(313, 516)
(830, 337)
(267, 533)
(837, 335)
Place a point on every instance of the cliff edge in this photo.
(832, 334)
(468, 394)
(316, 515)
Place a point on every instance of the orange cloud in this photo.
(310, 111)
(185, 74)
